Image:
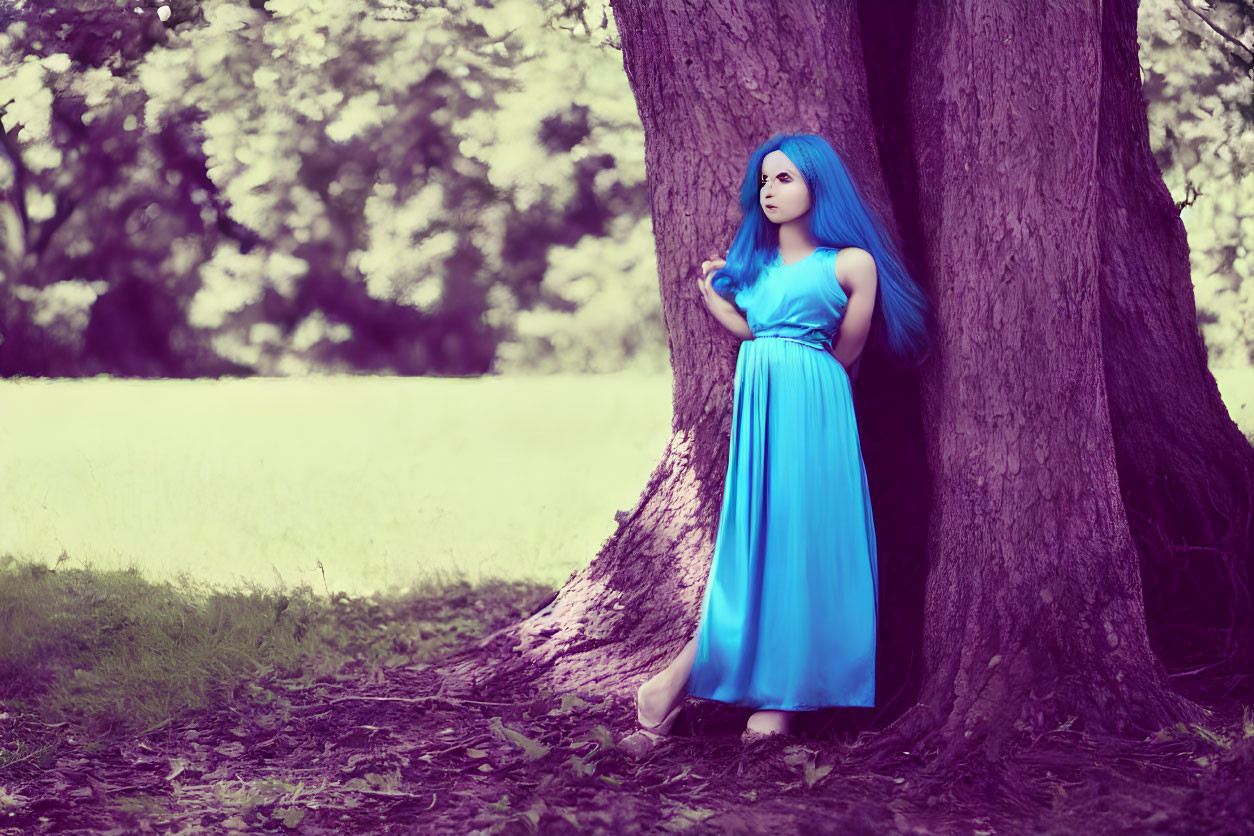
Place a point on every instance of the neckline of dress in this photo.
(779, 258)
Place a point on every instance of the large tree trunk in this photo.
(994, 470)
(1035, 611)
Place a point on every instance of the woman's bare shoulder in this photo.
(854, 266)
(854, 257)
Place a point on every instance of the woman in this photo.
(789, 616)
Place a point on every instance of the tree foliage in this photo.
(237, 186)
(274, 187)
(1200, 102)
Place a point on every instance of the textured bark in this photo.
(1005, 552)
(1034, 600)
(1186, 470)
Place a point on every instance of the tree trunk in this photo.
(1034, 599)
(1186, 470)
(994, 470)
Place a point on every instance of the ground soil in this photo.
(388, 751)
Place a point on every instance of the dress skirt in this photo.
(791, 606)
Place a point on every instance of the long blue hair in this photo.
(839, 217)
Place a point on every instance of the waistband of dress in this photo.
(819, 346)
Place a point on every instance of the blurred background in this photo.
(341, 292)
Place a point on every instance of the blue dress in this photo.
(791, 605)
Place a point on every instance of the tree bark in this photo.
(1186, 471)
(1004, 547)
(1034, 600)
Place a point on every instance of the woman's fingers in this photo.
(705, 287)
(712, 262)
(708, 267)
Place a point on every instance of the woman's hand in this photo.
(851, 369)
(708, 268)
(725, 312)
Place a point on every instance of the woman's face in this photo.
(782, 194)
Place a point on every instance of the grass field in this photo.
(380, 481)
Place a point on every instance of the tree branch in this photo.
(9, 144)
(1225, 34)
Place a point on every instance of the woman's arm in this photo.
(858, 268)
(725, 312)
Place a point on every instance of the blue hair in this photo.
(839, 217)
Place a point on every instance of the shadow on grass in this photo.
(112, 653)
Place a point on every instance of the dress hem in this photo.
(799, 707)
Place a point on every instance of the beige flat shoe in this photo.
(662, 729)
(753, 736)
(649, 735)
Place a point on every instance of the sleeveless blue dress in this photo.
(791, 605)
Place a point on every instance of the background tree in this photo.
(85, 220)
(1011, 475)
(273, 187)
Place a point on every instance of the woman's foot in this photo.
(655, 699)
(652, 724)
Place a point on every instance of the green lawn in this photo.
(384, 481)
